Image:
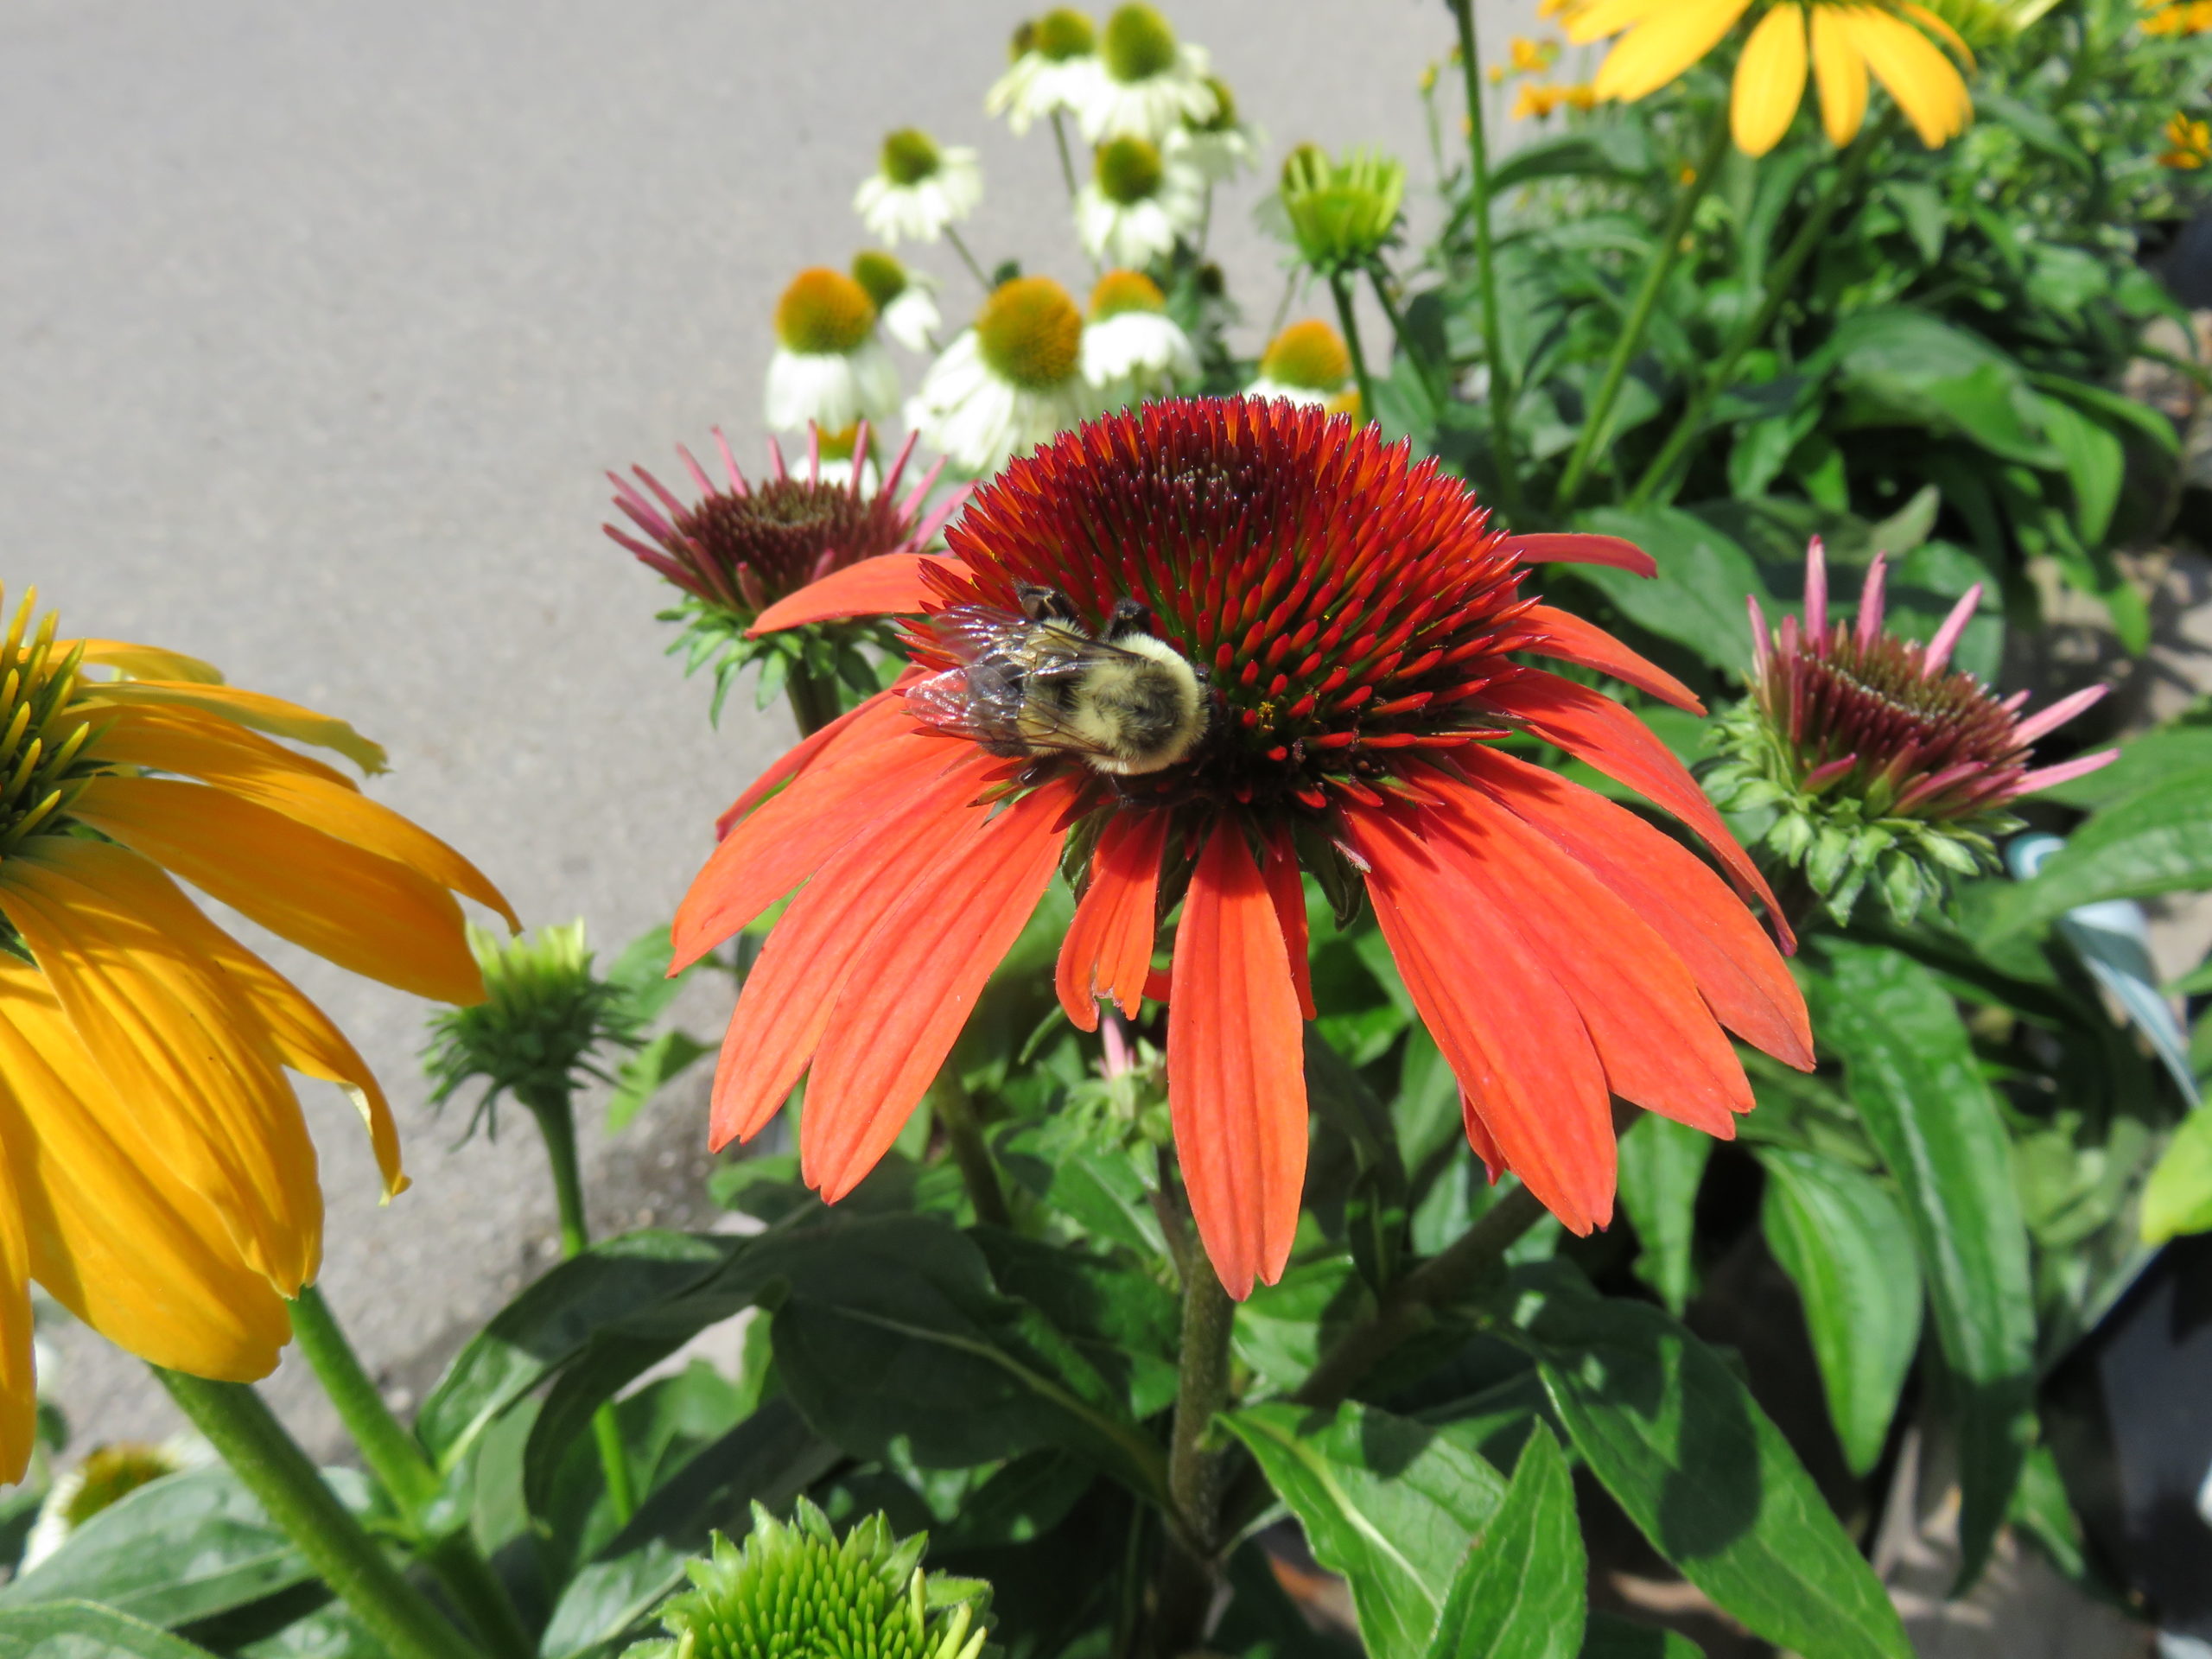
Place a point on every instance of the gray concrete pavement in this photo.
(322, 319)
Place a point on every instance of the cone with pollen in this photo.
(1364, 641)
(155, 1173)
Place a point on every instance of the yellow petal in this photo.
(361, 911)
(116, 1237)
(1924, 82)
(1841, 71)
(125, 954)
(1594, 22)
(202, 746)
(308, 1042)
(1659, 50)
(149, 662)
(18, 1383)
(1769, 80)
(1941, 30)
(251, 708)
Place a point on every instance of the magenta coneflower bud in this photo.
(1880, 762)
(738, 547)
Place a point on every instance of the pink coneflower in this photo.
(1883, 764)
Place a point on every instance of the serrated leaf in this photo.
(1519, 1593)
(1910, 1070)
(1844, 1243)
(1389, 1503)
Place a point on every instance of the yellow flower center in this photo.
(1129, 170)
(1064, 32)
(39, 751)
(823, 313)
(838, 445)
(884, 277)
(1138, 45)
(1125, 291)
(909, 156)
(1030, 332)
(1309, 355)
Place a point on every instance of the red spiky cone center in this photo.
(1348, 605)
(789, 532)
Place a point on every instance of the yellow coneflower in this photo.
(2182, 17)
(2189, 143)
(1839, 40)
(1538, 98)
(155, 1173)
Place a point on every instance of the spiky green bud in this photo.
(1343, 212)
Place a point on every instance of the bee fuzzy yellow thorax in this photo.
(1136, 708)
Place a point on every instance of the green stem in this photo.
(1598, 423)
(1341, 294)
(1500, 396)
(813, 701)
(950, 1100)
(1067, 163)
(241, 1427)
(557, 1124)
(1194, 1469)
(403, 1470)
(1779, 280)
(1426, 369)
(967, 258)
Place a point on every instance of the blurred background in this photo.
(324, 322)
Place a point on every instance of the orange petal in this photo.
(126, 956)
(1653, 1033)
(1479, 1139)
(1593, 728)
(1288, 890)
(1571, 639)
(891, 584)
(789, 994)
(113, 1232)
(1108, 950)
(1741, 976)
(1236, 1068)
(926, 963)
(780, 845)
(215, 751)
(1508, 1028)
(862, 723)
(1562, 548)
(362, 911)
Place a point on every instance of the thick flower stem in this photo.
(1598, 423)
(557, 1124)
(1779, 283)
(1340, 290)
(398, 1462)
(268, 1461)
(956, 1111)
(1500, 395)
(814, 700)
(1194, 1467)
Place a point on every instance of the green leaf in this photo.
(1697, 599)
(1910, 1070)
(768, 1458)
(1660, 1167)
(1389, 1503)
(553, 1321)
(1519, 1592)
(1574, 155)
(2094, 461)
(2179, 1198)
(661, 1060)
(181, 1548)
(1844, 1240)
(1899, 366)
(1676, 1437)
(1610, 1637)
(80, 1630)
(2158, 842)
(1283, 1328)
(2146, 763)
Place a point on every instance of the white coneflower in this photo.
(1150, 83)
(919, 187)
(108, 1474)
(1010, 381)
(1136, 206)
(1218, 148)
(906, 300)
(1133, 349)
(830, 369)
(1055, 67)
(1307, 362)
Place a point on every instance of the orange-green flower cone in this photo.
(156, 1175)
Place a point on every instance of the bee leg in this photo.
(1043, 604)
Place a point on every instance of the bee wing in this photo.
(970, 632)
(942, 701)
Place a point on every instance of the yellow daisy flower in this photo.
(1839, 40)
(2189, 143)
(155, 1173)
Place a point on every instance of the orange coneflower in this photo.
(1357, 619)
(155, 1174)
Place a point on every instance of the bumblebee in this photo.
(1036, 683)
